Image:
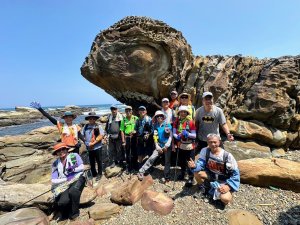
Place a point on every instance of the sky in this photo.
(44, 43)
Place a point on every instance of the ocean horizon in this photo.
(100, 109)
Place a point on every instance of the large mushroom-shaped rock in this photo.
(131, 191)
(139, 60)
(157, 202)
(280, 173)
(104, 211)
(26, 216)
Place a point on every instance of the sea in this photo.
(102, 109)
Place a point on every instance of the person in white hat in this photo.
(208, 118)
(162, 139)
(184, 132)
(185, 100)
(169, 113)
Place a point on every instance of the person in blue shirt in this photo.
(217, 169)
(162, 137)
(144, 133)
(93, 135)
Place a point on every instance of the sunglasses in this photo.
(160, 116)
(184, 97)
(61, 150)
(165, 102)
(92, 118)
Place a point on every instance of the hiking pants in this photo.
(96, 156)
(184, 157)
(131, 153)
(68, 201)
(114, 147)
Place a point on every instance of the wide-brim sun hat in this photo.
(183, 108)
(60, 146)
(185, 93)
(68, 113)
(207, 93)
(158, 112)
(92, 115)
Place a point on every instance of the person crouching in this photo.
(67, 181)
(216, 169)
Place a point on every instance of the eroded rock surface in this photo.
(139, 60)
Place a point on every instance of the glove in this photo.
(71, 169)
(185, 133)
(178, 138)
(35, 105)
(215, 184)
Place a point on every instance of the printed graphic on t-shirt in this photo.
(215, 166)
(208, 119)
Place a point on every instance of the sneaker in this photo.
(202, 192)
(219, 204)
(189, 183)
(140, 176)
(98, 177)
(164, 180)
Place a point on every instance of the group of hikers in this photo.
(135, 143)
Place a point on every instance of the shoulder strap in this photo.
(225, 159)
(207, 154)
(84, 128)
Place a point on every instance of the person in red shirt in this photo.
(174, 102)
(184, 132)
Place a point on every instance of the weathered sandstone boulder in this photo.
(139, 60)
(157, 202)
(111, 172)
(247, 150)
(131, 191)
(104, 211)
(26, 216)
(280, 173)
(242, 217)
(107, 188)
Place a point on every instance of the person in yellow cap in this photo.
(67, 181)
(69, 132)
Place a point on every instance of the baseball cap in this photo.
(142, 107)
(165, 100)
(207, 93)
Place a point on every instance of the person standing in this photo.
(93, 135)
(208, 118)
(67, 181)
(144, 131)
(185, 100)
(112, 128)
(216, 169)
(69, 132)
(184, 132)
(169, 113)
(162, 137)
(129, 139)
(174, 101)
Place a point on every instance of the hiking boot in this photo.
(164, 180)
(202, 192)
(189, 183)
(140, 176)
(219, 204)
(180, 177)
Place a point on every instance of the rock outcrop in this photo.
(279, 173)
(139, 60)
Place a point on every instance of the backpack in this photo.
(225, 159)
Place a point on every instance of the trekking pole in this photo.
(130, 158)
(175, 168)
(18, 206)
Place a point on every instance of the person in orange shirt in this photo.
(174, 102)
(69, 132)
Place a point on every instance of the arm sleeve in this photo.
(52, 120)
(192, 134)
(201, 162)
(168, 143)
(234, 180)
(122, 127)
(174, 133)
(222, 119)
(54, 176)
